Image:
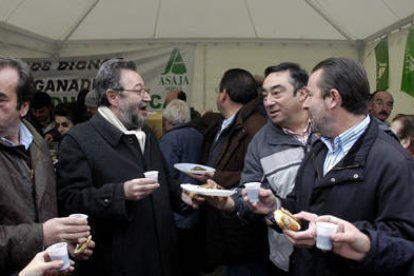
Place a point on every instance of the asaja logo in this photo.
(175, 73)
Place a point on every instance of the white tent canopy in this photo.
(49, 26)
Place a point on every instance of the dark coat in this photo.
(372, 187)
(132, 237)
(24, 209)
(228, 239)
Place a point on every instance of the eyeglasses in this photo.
(139, 92)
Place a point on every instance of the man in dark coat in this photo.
(28, 202)
(101, 173)
(240, 246)
(355, 172)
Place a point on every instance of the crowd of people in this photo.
(319, 144)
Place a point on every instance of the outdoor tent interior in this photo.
(251, 34)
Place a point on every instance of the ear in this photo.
(24, 109)
(302, 94)
(405, 142)
(223, 95)
(334, 98)
(112, 97)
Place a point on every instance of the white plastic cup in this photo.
(59, 251)
(252, 189)
(324, 230)
(82, 216)
(151, 174)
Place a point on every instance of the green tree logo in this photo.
(175, 64)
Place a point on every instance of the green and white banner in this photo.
(407, 82)
(163, 69)
(382, 62)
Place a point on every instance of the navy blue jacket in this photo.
(372, 186)
(182, 144)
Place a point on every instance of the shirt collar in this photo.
(26, 138)
(346, 139)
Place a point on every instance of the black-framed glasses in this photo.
(139, 92)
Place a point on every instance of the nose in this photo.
(147, 96)
(268, 100)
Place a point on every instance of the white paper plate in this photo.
(206, 192)
(189, 168)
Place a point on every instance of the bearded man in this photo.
(101, 173)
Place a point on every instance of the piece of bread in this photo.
(81, 247)
(285, 220)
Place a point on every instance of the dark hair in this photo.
(25, 85)
(69, 111)
(41, 99)
(349, 78)
(182, 96)
(298, 76)
(108, 77)
(240, 85)
(407, 127)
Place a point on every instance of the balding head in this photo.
(381, 105)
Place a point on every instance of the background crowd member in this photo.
(42, 116)
(381, 105)
(389, 255)
(276, 151)
(101, 173)
(355, 171)
(80, 105)
(403, 126)
(241, 247)
(66, 117)
(181, 143)
(181, 95)
(28, 220)
(91, 103)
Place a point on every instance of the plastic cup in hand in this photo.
(59, 251)
(252, 189)
(82, 216)
(151, 174)
(324, 230)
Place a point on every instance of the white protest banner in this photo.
(163, 69)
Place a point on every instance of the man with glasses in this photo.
(101, 173)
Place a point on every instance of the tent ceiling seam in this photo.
(409, 20)
(329, 20)
(14, 10)
(80, 20)
(251, 18)
(157, 17)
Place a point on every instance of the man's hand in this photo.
(202, 178)
(193, 201)
(306, 238)
(348, 242)
(267, 202)
(42, 265)
(139, 188)
(68, 229)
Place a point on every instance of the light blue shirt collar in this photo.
(340, 145)
(26, 138)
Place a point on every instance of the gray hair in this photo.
(108, 77)
(177, 112)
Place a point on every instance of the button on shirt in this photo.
(340, 145)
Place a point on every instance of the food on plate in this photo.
(198, 168)
(285, 220)
(81, 247)
(208, 185)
